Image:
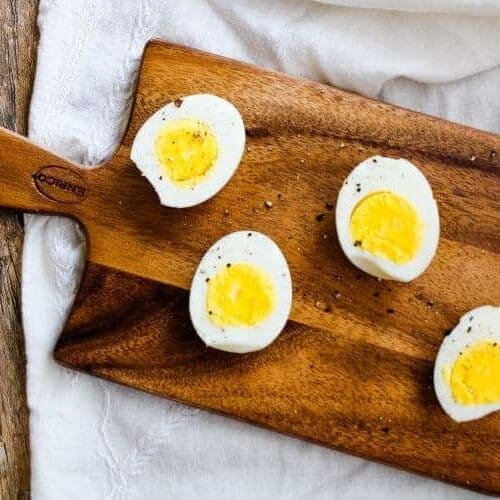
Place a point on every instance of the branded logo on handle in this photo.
(61, 184)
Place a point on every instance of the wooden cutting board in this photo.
(353, 368)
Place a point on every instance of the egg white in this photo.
(485, 323)
(226, 124)
(256, 249)
(404, 179)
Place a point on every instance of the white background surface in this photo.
(91, 439)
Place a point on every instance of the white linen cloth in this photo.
(92, 439)
(472, 7)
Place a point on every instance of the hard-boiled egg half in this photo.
(241, 293)
(387, 219)
(467, 369)
(189, 149)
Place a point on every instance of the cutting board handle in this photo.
(35, 180)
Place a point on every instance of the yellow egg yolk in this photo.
(388, 226)
(475, 376)
(240, 294)
(186, 149)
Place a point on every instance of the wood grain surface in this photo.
(18, 41)
(353, 369)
